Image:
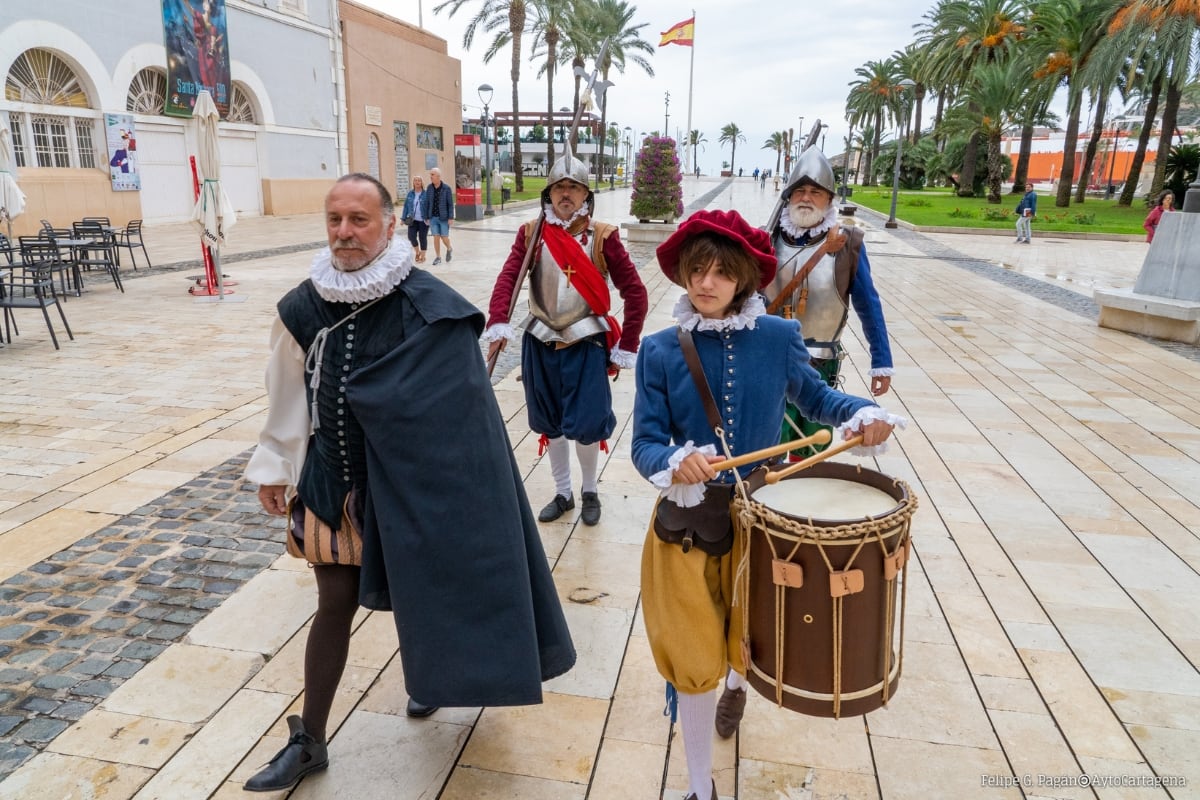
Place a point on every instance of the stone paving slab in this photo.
(1050, 605)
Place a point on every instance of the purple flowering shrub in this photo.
(657, 182)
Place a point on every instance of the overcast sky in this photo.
(761, 64)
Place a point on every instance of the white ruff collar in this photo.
(552, 218)
(785, 222)
(376, 279)
(685, 316)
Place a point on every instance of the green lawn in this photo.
(941, 208)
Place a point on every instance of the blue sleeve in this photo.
(815, 399)
(408, 205)
(1033, 203)
(651, 449)
(425, 204)
(867, 305)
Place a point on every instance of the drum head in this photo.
(832, 493)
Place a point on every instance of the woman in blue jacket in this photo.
(415, 216)
(752, 362)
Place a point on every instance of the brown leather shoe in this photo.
(730, 709)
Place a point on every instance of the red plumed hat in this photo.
(729, 224)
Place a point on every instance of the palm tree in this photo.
(696, 141)
(775, 142)
(493, 15)
(1065, 34)
(612, 20)
(550, 17)
(989, 100)
(1166, 30)
(964, 33)
(731, 134)
(870, 96)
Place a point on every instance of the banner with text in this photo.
(197, 54)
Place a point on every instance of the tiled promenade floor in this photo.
(151, 634)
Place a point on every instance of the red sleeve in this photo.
(506, 282)
(633, 292)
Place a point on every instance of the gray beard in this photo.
(805, 218)
(380, 247)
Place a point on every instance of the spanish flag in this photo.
(680, 33)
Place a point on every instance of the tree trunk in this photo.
(1021, 171)
(966, 179)
(1066, 175)
(550, 61)
(1139, 157)
(919, 91)
(1089, 154)
(995, 168)
(875, 145)
(518, 166)
(1170, 115)
(576, 63)
(939, 140)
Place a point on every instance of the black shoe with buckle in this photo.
(302, 754)
(419, 710)
(556, 508)
(590, 513)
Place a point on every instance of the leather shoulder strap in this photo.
(846, 267)
(600, 232)
(688, 346)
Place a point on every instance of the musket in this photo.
(533, 245)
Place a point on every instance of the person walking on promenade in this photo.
(384, 444)
(571, 343)
(694, 631)
(1026, 211)
(823, 271)
(439, 211)
(413, 216)
(1165, 205)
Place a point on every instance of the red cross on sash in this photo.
(582, 276)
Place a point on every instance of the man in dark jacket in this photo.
(382, 424)
(439, 210)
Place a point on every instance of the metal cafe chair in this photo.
(97, 249)
(47, 246)
(32, 286)
(130, 237)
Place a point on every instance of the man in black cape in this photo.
(382, 424)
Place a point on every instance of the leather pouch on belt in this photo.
(708, 526)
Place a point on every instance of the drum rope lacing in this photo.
(751, 514)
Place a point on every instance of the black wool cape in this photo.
(450, 544)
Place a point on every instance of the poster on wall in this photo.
(197, 54)
(467, 195)
(122, 152)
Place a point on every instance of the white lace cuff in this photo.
(684, 495)
(882, 372)
(623, 358)
(865, 416)
(498, 331)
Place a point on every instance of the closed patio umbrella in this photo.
(214, 213)
(12, 199)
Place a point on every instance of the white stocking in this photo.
(560, 466)
(697, 716)
(588, 455)
(735, 680)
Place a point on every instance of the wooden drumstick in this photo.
(778, 475)
(822, 436)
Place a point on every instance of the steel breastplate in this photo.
(557, 312)
(824, 316)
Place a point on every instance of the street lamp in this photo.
(824, 125)
(903, 86)
(628, 149)
(485, 96)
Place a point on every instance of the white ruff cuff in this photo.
(865, 416)
(501, 330)
(685, 495)
(623, 358)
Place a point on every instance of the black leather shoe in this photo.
(419, 710)
(590, 514)
(302, 754)
(730, 709)
(692, 796)
(556, 508)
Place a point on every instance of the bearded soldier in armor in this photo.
(572, 342)
(823, 270)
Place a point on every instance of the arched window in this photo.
(241, 106)
(373, 156)
(49, 138)
(147, 92)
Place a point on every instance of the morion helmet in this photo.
(568, 167)
(812, 167)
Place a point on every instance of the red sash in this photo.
(582, 276)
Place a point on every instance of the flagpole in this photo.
(691, 71)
